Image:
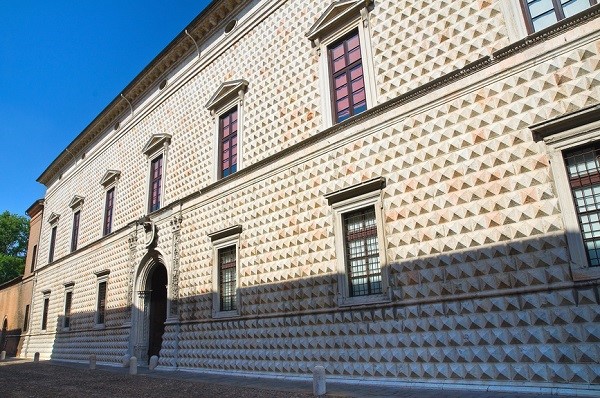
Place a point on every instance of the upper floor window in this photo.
(540, 14)
(33, 257)
(342, 39)
(157, 150)
(52, 244)
(109, 182)
(347, 77)
(228, 142)
(226, 107)
(75, 231)
(108, 211)
(156, 170)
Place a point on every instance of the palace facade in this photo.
(397, 190)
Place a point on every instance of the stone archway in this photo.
(150, 307)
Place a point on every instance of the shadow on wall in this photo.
(505, 312)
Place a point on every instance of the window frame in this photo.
(338, 21)
(558, 9)
(152, 206)
(45, 310)
(221, 118)
(342, 203)
(223, 239)
(75, 230)
(157, 146)
(228, 96)
(107, 222)
(34, 251)
(52, 246)
(101, 278)
(559, 135)
(109, 181)
(26, 318)
(66, 323)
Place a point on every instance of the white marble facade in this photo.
(480, 287)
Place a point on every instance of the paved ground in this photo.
(23, 378)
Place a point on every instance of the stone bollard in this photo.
(133, 366)
(92, 361)
(319, 388)
(36, 357)
(153, 362)
(126, 359)
(2, 355)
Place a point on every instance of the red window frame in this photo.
(557, 9)
(347, 77)
(156, 168)
(228, 142)
(108, 211)
(75, 230)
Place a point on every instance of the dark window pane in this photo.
(67, 319)
(52, 244)
(75, 231)
(45, 313)
(227, 278)
(362, 252)
(101, 307)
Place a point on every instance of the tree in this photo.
(14, 232)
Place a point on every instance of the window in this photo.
(225, 272)
(226, 107)
(342, 39)
(228, 142)
(573, 143)
(67, 317)
(33, 258)
(45, 312)
(227, 278)
(26, 320)
(101, 303)
(347, 81)
(109, 182)
(75, 230)
(156, 167)
(540, 14)
(108, 211)
(360, 243)
(52, 244)
(157, 150)
(362, 252)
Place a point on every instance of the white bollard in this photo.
(2, 355)
(133, 366)
(36, 357)
(126, 359)
(92, 361)
(319, 388)
(153, 362)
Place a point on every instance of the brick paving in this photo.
(23, 378)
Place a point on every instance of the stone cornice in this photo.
(201, 28)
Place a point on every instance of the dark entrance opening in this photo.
(158, 309)
(3, 335)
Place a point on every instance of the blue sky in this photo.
(61, 63)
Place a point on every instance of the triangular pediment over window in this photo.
(338, 12)
(156, 142)
(226, 93)
(76, 201)
(53, 218)
(109, 177)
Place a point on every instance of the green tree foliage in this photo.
(14, 232)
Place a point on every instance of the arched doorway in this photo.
(157, 313)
